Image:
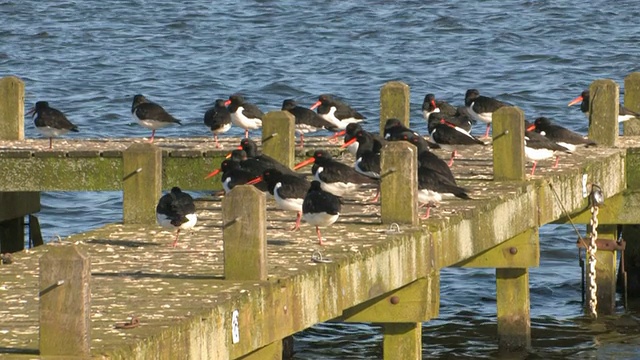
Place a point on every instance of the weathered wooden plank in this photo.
(12, 235)
(508, 144)
(65, 302)
(278, 136)
(11, 108)
(521, 251)
(394, 103)
(632, 102)
(512, 302)
(615, 211)
(604, 100)
(399, 183)
(402, 341)
(142, 183)
(22, 154)
(17, 204)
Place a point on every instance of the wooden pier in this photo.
(240, 283)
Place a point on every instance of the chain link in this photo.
(591, 251)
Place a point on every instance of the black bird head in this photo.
(289, 104)
(137, 100)
(470, 96)
(429, 103)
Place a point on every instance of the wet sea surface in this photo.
(88, 58)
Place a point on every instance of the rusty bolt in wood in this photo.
(394, 300)
(513, 250)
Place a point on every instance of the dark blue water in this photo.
(88, 58)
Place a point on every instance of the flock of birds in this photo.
(318, 202)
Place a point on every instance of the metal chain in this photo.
(591, 251)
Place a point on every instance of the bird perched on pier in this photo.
(624, 113)
(432, 185)
(218, 119)
(449, 136)
(430, 106)
(320, 208)
(538, 147)
(236, 173)
(335, 177)
(251, 148)
(428, 159)
(50, 122)
(394, 130)
(338, 113)
(176, 210)
(151, 115)
(481, 108)
(350, 141)
(558, 134)
(288, 191)
(244, 114)
(306, 119)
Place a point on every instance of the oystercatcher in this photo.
(176, 210)
(538, 147)
(50, 122)
(449, 136)
(350, 138)
(218, 119)
(338, 113)
(481, 108)
(430, 106)
(306, 119)
(234, 174)
(288, 191)
(624, 113)
(432, 185)
(335, 177)
(560, 135)
(244, 114)
(429, 160)
(151, 115)
(251, 148)
(320, 208)
(394, 130)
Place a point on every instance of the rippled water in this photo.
(89, 57)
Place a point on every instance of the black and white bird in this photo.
(176, 210)
(151, 115)
(394, 130)
(350, 141)
(449, 136)
(265, 161)
(320, 208)
(218, 119)
(560, 135)
(50, 122)
(538, 147)
(338, 113)
(288, 191)
(430, 106)
(481, 108)
(624, 113)
(306, 120)
(244, 114)
(432, 185)
(335, 177)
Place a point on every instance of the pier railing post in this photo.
(508, 144)
(245, 248)
(65, 303)
(632, 102)
(278, 136)
(399, 183)
(512, 284)
(394, 103)
(604, 100)
(142, 183)
(14, 205)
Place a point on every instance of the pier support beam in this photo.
(632, 102)
(278, 137)
(402, 341)
(604, 100)
(142, 183)
(14, 205)
(605, 271)
(65, 303)
(394, 103)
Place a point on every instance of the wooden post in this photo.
(142, 183)
(508, 144)
(399, 183)
(12, 235)
(245, 247)
(11, 108)
(394, 103)
(605, 271)
(512, 302)
(278, 136)
(35, 235)
(402, 341)
(604, 100)
(632, 102)
(65, 302)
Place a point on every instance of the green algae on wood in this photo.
(142, 183)
(394, 103)
(11, 108)
(508, 144)
(278, 136)
(632, 102)
(604, 100)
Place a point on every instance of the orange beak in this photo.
(304, 163)
(315, 105)
(531, 127)
(433, 103)
(226, 103)
(30, 112)
(348, 143)
(341, 132)
(213, 173)
(254, 181)
(575, 101)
